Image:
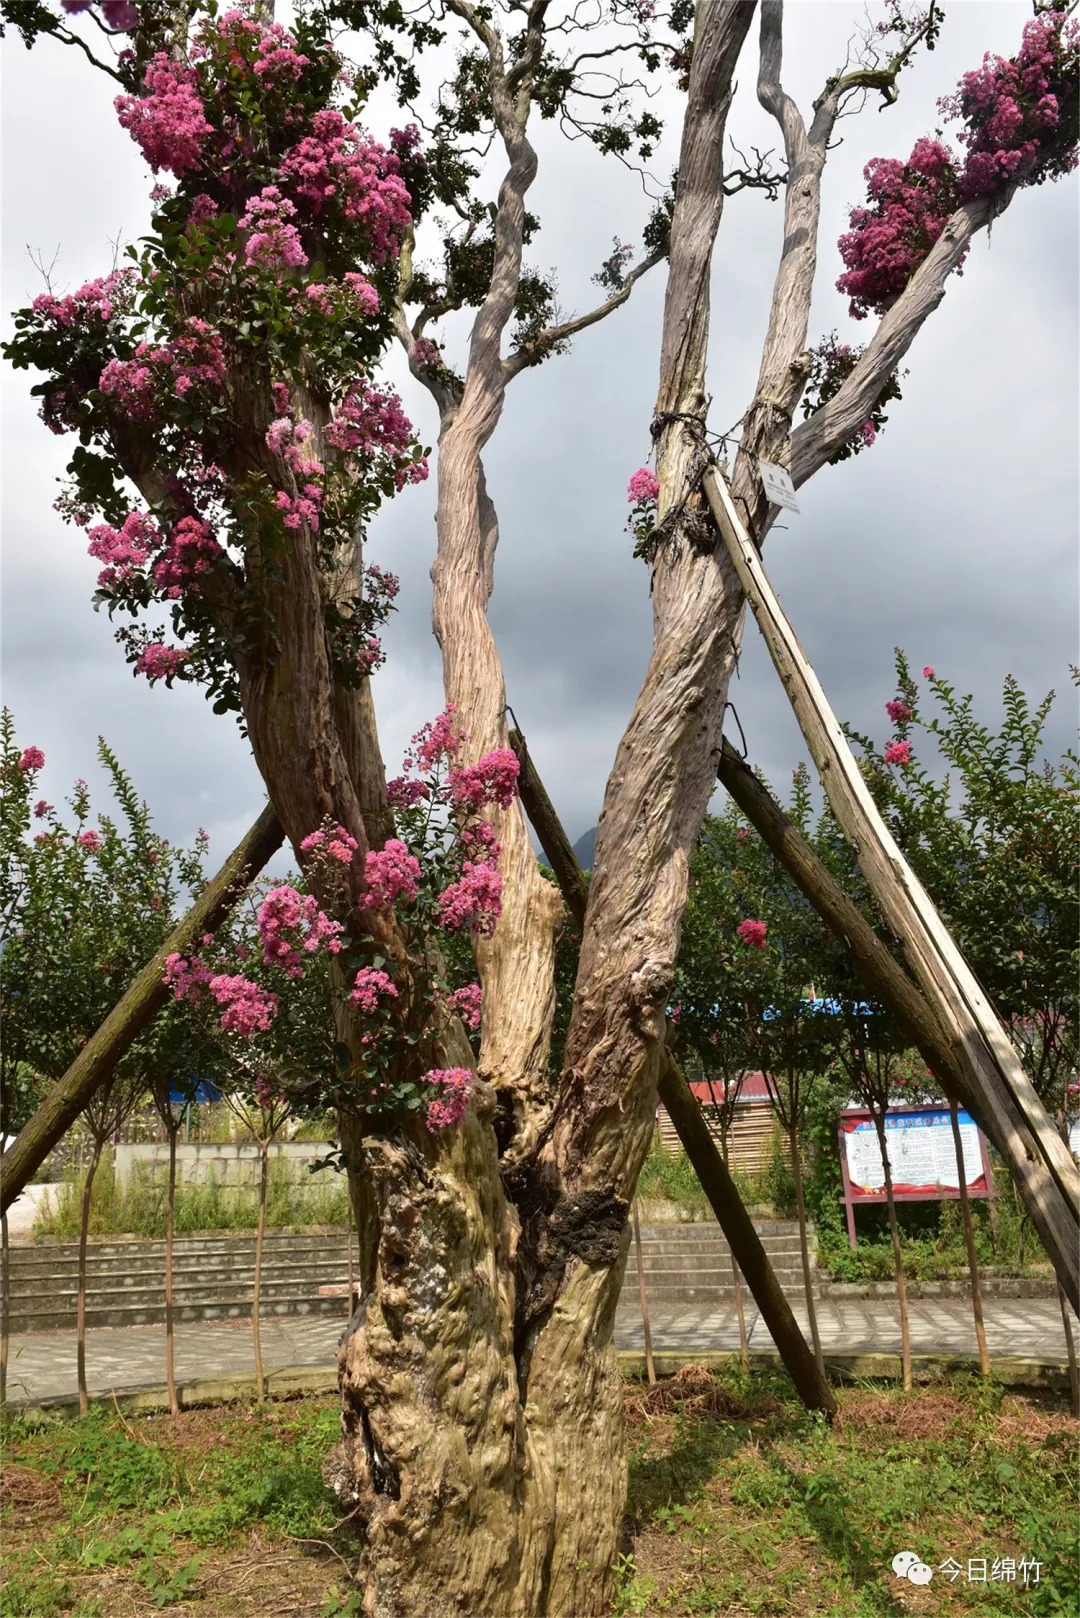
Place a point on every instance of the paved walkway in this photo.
(42, 1365)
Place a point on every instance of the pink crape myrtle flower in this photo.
(41, 809)
(248, 1009)
(752, 932)
(159, 662)
(468, 1003)
(898, 753)
(928, 673)
(404, 794)
(32, 758)
(92, 840)
(191, 552)
(336, 166)
(391, 873)
(289, 923)
(336, 844)
(476, 899)
(368, 985)
(643, 487)
(186, 978)
(492, 779)
(450, 1107)
(168, 123)
(438, 739)
(898, 712)
(126, 549)
(274, 242)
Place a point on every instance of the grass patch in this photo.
(743, 1503)
(136, 1206)
(740, 1503)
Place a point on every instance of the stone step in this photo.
(116, 1248)
(706, 1268)
(63, 1299)
(117, 1270)
(689, 1252)
(709, 1227)
(153, 1314)
(278, 1276)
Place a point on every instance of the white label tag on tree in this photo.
(778, 485)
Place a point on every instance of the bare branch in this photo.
(532, 352)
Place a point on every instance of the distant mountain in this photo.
(585, 848)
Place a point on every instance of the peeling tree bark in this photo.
(747, 1252)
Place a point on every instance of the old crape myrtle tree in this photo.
(234, 442)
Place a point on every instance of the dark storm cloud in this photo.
(954, 537)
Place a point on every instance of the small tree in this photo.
(994, 840)
(263, 1114)
(104, 1116)
(873, 1059)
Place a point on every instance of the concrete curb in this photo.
(294, 1381)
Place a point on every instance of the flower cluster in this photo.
(898, 753)
(98, 300)
(610, 274)
(643, 493)
(273, 240)
(194, 359)
(454, 1087)
(368, 985)
(831, 363)
(126, 549)
(247, 1008)
(159, 662)
(643, 487)
(492, 779)
(909, 206)
(467, 1003)
(31, 758)
(752, 932)
(1020, 127)
(291, 925)
(370, 423)
(303, 502)
(335, 165)
(898, 712)
(331, 843)
(118, 14)
(391, 873)
(168, 123)
(1020, 116)
(476, 899)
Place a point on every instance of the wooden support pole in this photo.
(969, 1241)
(650, 1368)
(1038, 1159)
(137, 1007)
(742, 1238)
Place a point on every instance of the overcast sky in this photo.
(955, 536)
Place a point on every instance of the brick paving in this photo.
(42, 1365)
